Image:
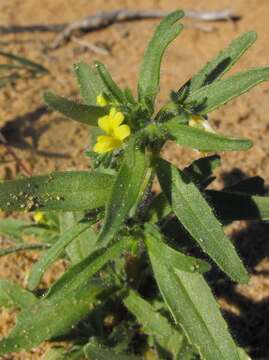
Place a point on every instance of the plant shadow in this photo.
(251, 327)
(17, 131)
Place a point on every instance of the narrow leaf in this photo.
(189, 299)
(13, 228)
(89, 82)
(197, 217)
(72, 296)
(50, 256)
(31, 65)
(110, 86)
(217, 67)
(125, 191)
(174, 257)
(13, 296)
(67, 191)
(99, 352)
(154, 323)
(149, 76)
(22, 247)
(87, 114)
(203, 140)
(40, 322)
(78, 274)
(82, 246)
(212, 96)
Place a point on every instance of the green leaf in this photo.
(212, 96)
(111, 88)
(72, 296)
(89, 82)
(60, 353)
(67, 191)
(154, 323)
(4, 80)
(99, 352)
(230, 206)
(82, 246)
(31, 65)
(197, 217)
(22, 247)
(78, 274)
(13, 296)
(203, 140)
(86, 114)
(126, 190)
(50, 256)
(39, 322)
(188, 298)
(13, 228)
(173, 257)
(149, 76)
(193, 306)
(54, 354)
(217, 67)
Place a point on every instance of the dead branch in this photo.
(92, 47)
(103, 19)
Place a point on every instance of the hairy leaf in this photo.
(13, 228)
(87, 114)
(89, 82)
(154, 323)
(99, 352)
(197, 217)
(31, 65)
(109, 84)
(149, 76)
(172, 256)
(72, 296)
(125, 191)
(67, 191)
(193, 306)
(215, 68)
(212, 96)
(82, 246)
(203, 140)
(13, 296)
(22, 247)
(53, 253)
(39, 322)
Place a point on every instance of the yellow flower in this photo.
(39, 217)
(101, 100)
(116, 133)
(199, 122)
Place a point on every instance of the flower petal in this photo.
(122, 132)
(105, 144)
(104, 123)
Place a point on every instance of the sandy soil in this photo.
(47, 141)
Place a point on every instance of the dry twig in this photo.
(92, 47)
(106, 18)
